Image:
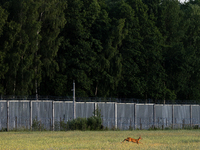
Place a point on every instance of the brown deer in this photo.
(133, 140)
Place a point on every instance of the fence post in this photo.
(8, 116)
(31, 115)
(115, 115)
(52, 115)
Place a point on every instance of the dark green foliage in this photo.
(3, 65)
(3, 129)
(77, 124)
(91, 123)
(37, 125)
(95, 122)
(111, 48)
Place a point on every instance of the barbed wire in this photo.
(97, 99)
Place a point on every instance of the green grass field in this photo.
(167, 139)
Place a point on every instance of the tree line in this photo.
(111, 48)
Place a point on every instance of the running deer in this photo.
(133, 140)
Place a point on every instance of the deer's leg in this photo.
(124, 140)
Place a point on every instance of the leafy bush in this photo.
(91, 123)
(77, 124)
(37, 125)
(3, 129)
(95, 122)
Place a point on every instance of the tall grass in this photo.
(166, 139)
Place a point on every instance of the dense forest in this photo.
(111, 48)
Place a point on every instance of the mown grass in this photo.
(166, 139)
